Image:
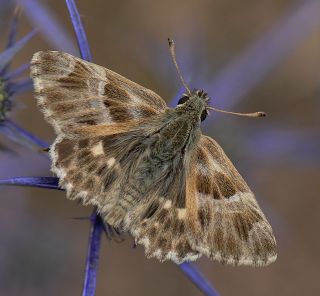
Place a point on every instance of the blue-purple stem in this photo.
(52, 30)
(12, 34)
(17, 72)
(198, 279)
(13, 28)
(25, 134)
(39, 182)
(7, 55)
(89, 285)
(92, 260)
(83, 44)
(20, 86)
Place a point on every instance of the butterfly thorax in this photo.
(173, 138)
(182, 129)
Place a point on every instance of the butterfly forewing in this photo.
(81, 99)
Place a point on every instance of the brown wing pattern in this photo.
(159, 222)
(96, 170)
(228, 226)
(81, 99)
(199, 204)
(99, 171)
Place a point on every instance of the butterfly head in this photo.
(195, 104)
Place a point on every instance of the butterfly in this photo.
(147, 168)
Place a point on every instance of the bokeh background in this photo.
(249, 56)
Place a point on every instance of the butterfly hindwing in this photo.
(228, 225)
(96, 170)
(81, 99)
(159, 221)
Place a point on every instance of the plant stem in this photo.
(198, 279)
(89, 285)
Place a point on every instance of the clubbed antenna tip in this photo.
(254, 114)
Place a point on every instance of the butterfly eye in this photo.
(204, 115)
(183, 100)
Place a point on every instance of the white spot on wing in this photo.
(167, 204)
(111, 161)
(235, 197)
(97, 149)
(101, 86)
(101, 72)
(68, 70)
(211, 164)
(37, 84)
(182, 213)
(240, 195)
(133, 97)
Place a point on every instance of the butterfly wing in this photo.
(82, 100)
(159, 222)
(112, 172)
(99, 117)
(95, 170)
(198, 204)
(227, 223)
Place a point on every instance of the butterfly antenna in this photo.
(173, 55)
(254, 114)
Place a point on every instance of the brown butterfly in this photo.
(146, 167)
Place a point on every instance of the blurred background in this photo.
(249, 56)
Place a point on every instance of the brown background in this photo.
(42, 249)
